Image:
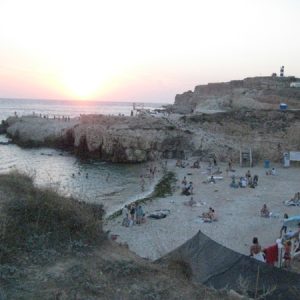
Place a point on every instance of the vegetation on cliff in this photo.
(52, 247)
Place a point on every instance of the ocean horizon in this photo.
(71, 108)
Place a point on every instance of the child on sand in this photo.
(264, 212)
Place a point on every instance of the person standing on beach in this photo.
(230, 165)
(125, 216)
(132, 213)
(139, 214)
(287, 254)
(215, 162)
(284, 227)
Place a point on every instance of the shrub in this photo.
(34, 217)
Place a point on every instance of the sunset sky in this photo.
(138, 50)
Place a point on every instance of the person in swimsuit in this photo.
(255, 247)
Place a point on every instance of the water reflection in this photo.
(89, 180)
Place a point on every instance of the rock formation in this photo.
(116, 139)
(129, 139)
(250, 93)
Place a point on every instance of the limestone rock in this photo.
(250, 93)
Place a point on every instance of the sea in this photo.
(90, 180)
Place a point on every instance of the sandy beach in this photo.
(237, 210)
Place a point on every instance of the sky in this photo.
(138, 50)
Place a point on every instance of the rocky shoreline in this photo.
(268, 133)
(187, 130)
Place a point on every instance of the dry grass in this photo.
(34, 218)
(39, 227)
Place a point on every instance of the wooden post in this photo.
(241, 162)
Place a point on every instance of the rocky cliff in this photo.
(116, 139)
(250, 93)
(129, 139)
(269, 133)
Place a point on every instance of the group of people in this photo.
(248, 180)
(133, 215)
(258, 253)
(245, 181)
(187, 189)
(209, 216)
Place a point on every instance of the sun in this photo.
(83, 83)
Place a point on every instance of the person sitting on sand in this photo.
(212, 180)
(186, 190)
(233, 183)
(296, 197)
(209, 216)
(251, 183)
(255, 180)
(255, 250)
(178, 163)
(273, 172)
(196, 164)
(190, 187)
(248, 174)
(265, 212)
(243, 182)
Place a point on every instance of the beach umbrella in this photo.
(292, 221)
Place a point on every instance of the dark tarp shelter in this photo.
(215, 265)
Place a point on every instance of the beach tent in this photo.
(292, 221)
(215, 265)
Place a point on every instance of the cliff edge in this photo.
(110, 138)
(250, 93)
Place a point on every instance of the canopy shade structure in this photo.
(215, 265)
(292, 221)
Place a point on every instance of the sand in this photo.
(238, 211)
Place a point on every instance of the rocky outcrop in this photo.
(129, 139)
(269, 133)
(116, 139)
(250, 93)
(31, 131)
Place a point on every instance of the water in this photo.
(110, 184)
(65, 108)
